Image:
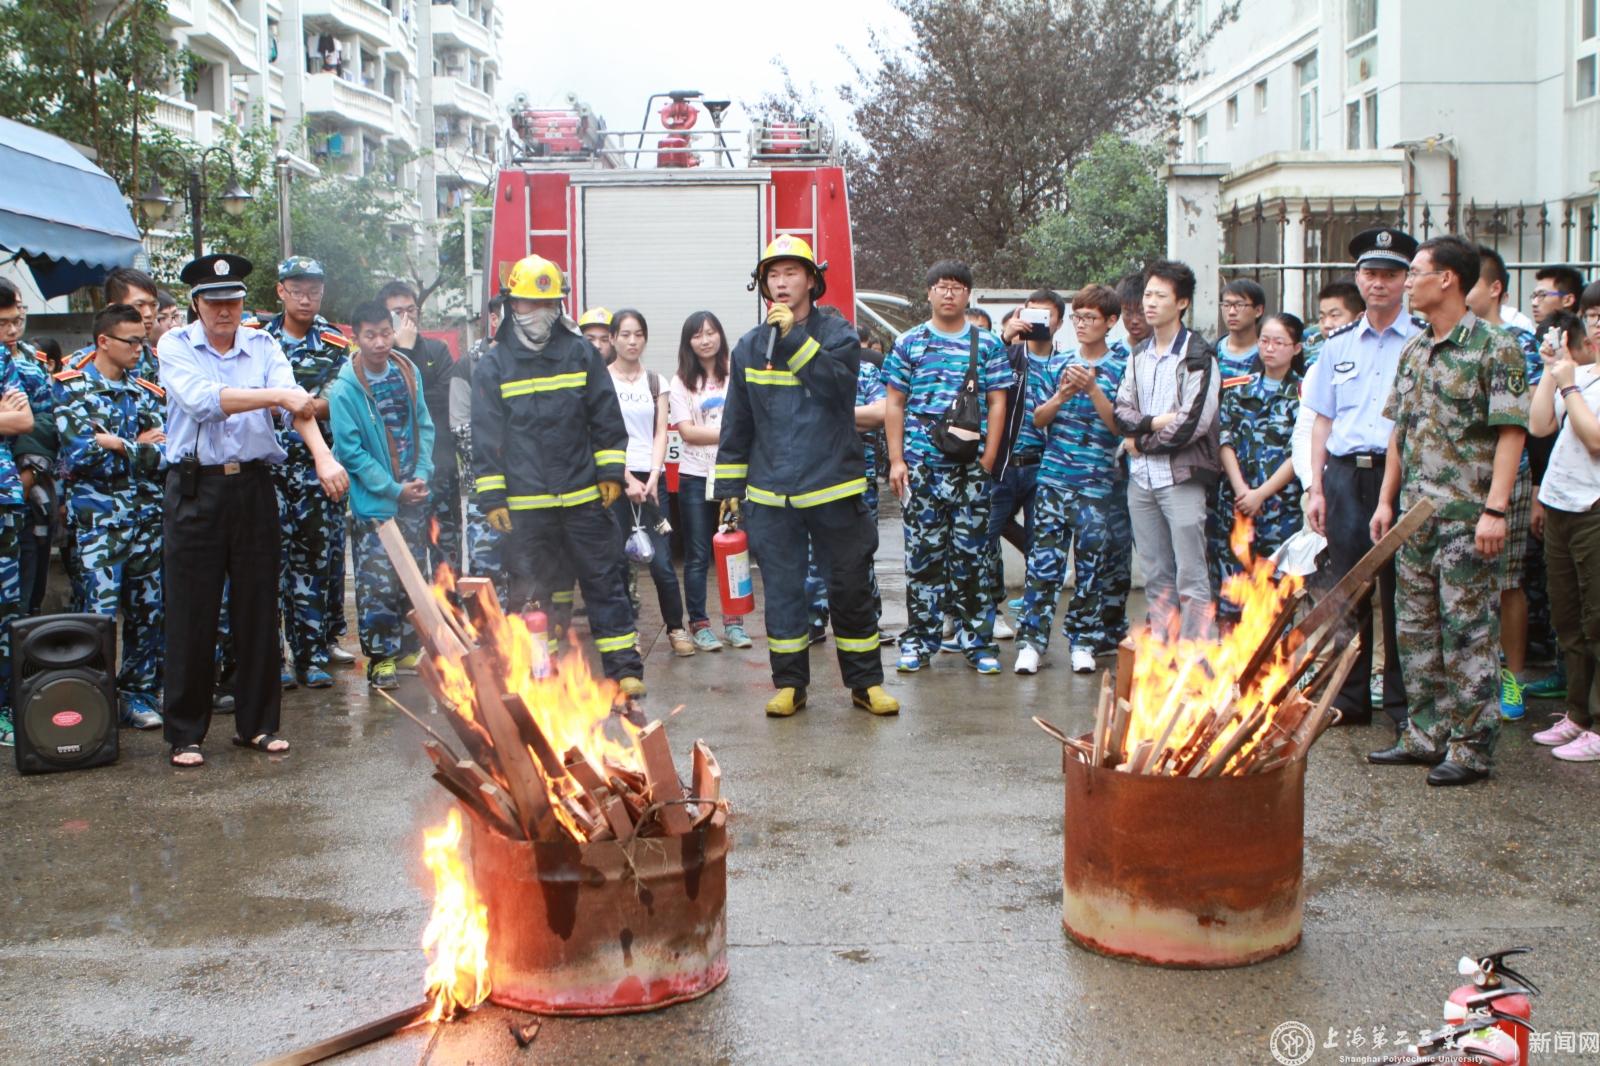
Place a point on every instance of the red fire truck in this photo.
(664, 219)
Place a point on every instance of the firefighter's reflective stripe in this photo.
(491, 482)
(733, 469)
(770, 377)
(626, 640)
(548, 500)
(809, 499)
(528, 386)
(807, 352)
(788, 644)
(856, 643)
(609, 455)
(562, 597)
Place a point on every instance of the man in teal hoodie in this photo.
(384, 437)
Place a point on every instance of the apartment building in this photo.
(1313, 119)
(373, 81)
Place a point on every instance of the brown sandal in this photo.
(263, 742)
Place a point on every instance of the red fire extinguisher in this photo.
(1506, 1006)
(538, 624)
(731, 550)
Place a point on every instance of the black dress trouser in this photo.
(1351, 493)
(228, 532)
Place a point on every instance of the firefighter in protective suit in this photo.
(548, 446)
(789, 447)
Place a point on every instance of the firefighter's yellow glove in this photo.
(729, 512)
(609, 491)
(500, 520)
(782, 317)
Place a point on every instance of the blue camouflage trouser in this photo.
(335, 626)
(11, 521)
(119, 570)
(946, 528)
(305, 571)
(817, 581)
(1117, 561)
(382, 608)
(484, 554)
(444, 505)
(1066, 521)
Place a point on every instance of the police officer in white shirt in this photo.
(1347, 390)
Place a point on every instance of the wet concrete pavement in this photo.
(894, 891)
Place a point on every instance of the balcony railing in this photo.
(455, 25)
(175, 116)
(366, 17)
(453, 94)
(219, 22)
(328, 94)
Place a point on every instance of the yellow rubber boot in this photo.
(632, 687)
(875, 700)
(786, 702)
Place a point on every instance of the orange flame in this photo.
(456, 939)
(1178, 683)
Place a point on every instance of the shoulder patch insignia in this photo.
(68, 375)
(1242, 379)
(335, 338)
(85, 360)
(1517, 381)
(151, 387)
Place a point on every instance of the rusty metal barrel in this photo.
(1200, 872)
(603, 928)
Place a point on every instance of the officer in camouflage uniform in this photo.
(110, 424)
(869, 408)
(313, 525)
(482, 548)
(1460, 413)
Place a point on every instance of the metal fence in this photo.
(1262, 241)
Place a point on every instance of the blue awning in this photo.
(59, 212)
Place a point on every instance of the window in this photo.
(1198, 131)
(1233, 111)
(1371, 108)
(1361, 41)
(1261, 96)
(1305, 76)
(1352, 124)
(1586, 78)
(1361, 18)
(1588, 19)
(1586, 53)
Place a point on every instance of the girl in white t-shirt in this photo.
(1566, 404)
(695, 412)
(644, 411)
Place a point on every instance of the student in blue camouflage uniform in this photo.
(1257, 423)
(16, 418)
(1070, 402)
(110, 424)
(1485, 300)
(870, 404)
(1244, 302)
(384, 437)
(313, 525)
(946, 515)
(482, 546)
(34, 452)
(126, 285)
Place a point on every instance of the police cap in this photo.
(1383, 246)
(217, 277)
(300, 266)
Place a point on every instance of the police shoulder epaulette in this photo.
(253, 320)
(151, 387)
(1239, 379)
(67, 375)
(1346, 328)
(335, 338)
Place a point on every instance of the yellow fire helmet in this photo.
(595, 316)
(536, 278)
(788, 246)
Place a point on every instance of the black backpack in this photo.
(958, 433)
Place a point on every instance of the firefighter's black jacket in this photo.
(546, 427)
(789, 430)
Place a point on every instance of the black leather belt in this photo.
(1030, 457)
(248, 466)
(1359, 460)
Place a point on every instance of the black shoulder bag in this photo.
(958, 433)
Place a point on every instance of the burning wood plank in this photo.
(665, 787)
(708, 785)
(430, 616)
(523, 780)
(1341, 600)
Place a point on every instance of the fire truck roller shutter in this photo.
(671, 250)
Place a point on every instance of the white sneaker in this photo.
(1082, 660)
(1002, 628)
(947, 636)
(1027, 660)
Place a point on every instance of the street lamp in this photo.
(155, 205)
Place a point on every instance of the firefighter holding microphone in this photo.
(789, 447)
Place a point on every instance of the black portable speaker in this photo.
(64, 692)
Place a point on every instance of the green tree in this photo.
(1117, 221)
(88, 71)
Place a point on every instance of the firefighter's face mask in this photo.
(534, 325)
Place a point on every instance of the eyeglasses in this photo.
(949, 290)
(1087, 318)
(303, 294)
(1413, 274)
(15, 321)
(132, 342)
(1274, 342)
(1235, 305)
(1541, 294)
(1590, 318)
